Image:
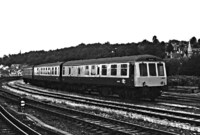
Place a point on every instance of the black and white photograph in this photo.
(99, 67)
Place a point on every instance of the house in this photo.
(182, 49)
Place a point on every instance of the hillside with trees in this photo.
(86, 51)
(175, 66)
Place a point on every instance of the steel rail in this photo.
(19, 127)
(149, 111)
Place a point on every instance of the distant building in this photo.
(15, 70)
(15, 66)
(196, 51)
(189, 50)
(182, 49)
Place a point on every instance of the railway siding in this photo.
(183, 89)
(144, 110)
(100, 124)
(87, 101)
(12, 125)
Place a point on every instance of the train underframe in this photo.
(123, 92)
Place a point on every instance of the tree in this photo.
(193, 40)
(191, 67)
(161, 49)
(155, 40)
(173, 67)
(199, 41)
(170, 48)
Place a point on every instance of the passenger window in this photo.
(55, 70)
(160, 69)
(98, 69)
(73, 71)
(86, 70)
(152, 69)
(93, 70)
(48, 71)
(104, 70)
(114, 70)
(124, 70)
(69, 70)
(79, 70)
(63, 70)
(143, 69)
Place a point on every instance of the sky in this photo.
(31, 25)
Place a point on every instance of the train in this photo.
(129, 77)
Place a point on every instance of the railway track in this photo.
(9, 125)
(193, 119)
(96, 123)
(178, 97)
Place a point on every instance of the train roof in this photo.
(124, 59)
(27, 67)
(49, 64)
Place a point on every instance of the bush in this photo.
(183, 80)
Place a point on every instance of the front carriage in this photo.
(129, 76)
(150, 76)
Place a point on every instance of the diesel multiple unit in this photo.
(128, 77)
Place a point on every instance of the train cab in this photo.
(150, 74)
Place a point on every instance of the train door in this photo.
(98, 70)
(132, 73)
(132, 70)
(33, 72)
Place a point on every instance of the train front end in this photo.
(150, 78)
